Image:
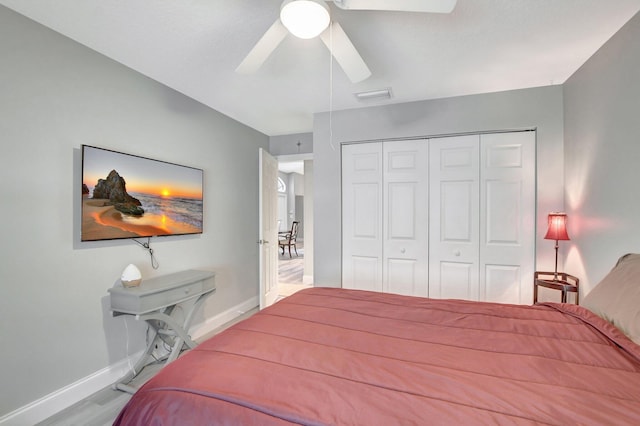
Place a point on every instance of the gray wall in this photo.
(602, 151)
(539, 108)
(56, 95)
(288, 144)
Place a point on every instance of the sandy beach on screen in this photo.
(100, 221)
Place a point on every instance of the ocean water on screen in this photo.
(184, 210)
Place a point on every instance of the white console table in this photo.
(153, 301)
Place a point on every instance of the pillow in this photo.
(617, 297)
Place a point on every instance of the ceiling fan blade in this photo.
(428, 6)
(263, 48)
(345, 53)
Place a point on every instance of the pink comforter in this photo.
(333, 356)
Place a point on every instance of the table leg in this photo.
(171, 328)
(139, 365)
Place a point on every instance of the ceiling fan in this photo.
(311, 18)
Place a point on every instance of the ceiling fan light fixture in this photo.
(305, 18)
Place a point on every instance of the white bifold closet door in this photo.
(454, 173)
(405, 221)
(482, 205)
(507, 216)
(385, 217)
(362, 216)
(449, 217)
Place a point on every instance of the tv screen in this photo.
(127, 196)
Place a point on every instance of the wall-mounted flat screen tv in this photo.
(127, 196)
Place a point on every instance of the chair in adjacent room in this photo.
(288, 239)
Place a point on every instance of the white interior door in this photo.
(454, 212)
(267, 229)
(406, 220)
(507, 203)
(362, 216)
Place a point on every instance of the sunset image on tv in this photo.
(126, 196)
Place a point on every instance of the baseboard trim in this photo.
(50, 404)
(65, 397)
(207, 326)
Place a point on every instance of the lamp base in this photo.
(132, 283)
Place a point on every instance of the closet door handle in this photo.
(456, 253)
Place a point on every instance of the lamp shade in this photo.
(305, 18)
(557, 227)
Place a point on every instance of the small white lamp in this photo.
(131, 276)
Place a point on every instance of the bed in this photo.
(335, 356)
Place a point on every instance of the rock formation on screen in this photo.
(114, 189)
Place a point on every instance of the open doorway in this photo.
(295, 223)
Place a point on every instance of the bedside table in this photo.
(565, 283)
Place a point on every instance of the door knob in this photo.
(402, 251)
(456, 253)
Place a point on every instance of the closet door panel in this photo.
(364, 273)
(362, 216)
(457, 281)
(456, 211)
(503, 211)
(366, 219)
(453, 215)
(502, 283)
(402, 199)
(405, 207)
(402, 276)
(507, 240)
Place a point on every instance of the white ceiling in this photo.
(194, 46)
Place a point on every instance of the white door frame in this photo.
(307, 224)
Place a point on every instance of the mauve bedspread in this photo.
(333, 356)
